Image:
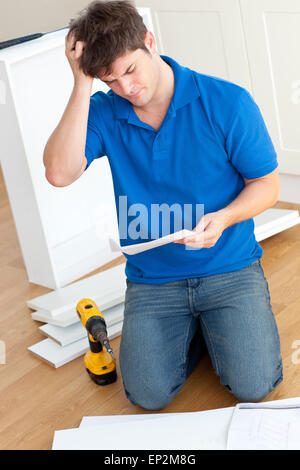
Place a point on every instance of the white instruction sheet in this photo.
(198, 430)
(139, 247)
(261, 426)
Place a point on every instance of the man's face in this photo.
(134, 77)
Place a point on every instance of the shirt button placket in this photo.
(159, 147)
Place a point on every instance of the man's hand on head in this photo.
(73, 52)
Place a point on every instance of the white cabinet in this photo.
(63, 232)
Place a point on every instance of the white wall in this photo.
(289, 188)
(22, 17)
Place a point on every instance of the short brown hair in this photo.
(109, 29)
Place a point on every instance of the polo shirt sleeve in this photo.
(248, 143)
(94, 147)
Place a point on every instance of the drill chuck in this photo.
(96, 327)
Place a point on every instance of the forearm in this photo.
(64, 151)
(255, 198)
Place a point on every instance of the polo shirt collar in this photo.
(185, 91)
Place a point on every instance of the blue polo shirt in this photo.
(212, 136)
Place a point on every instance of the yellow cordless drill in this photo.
(100, 363)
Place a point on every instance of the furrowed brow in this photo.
(111, 81)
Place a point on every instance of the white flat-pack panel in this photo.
(109, 286)
(76, 331)
(54, 354)
(64, 336)
(273, 221)
(69, 317)
(277, 229)
(271, 217)
(65, 319)
(50, 351)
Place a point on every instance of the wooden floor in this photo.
(36, 399)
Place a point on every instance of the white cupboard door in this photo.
(272, 30)
(205, 35)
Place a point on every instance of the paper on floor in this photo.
(139, 247)
(261, 426)
(199, 430)
(111, 419)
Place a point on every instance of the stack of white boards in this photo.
(273, 221)
(229, 428)
(66, 337)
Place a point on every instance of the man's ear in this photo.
(150, 42)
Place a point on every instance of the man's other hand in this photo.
(207, 232)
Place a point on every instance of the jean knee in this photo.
(255, 393)
(148, 394)
(149, 402)
(253, 397)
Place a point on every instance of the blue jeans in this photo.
(168, 327)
